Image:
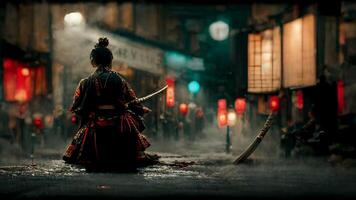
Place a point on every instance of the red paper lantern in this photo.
(38, 122)
(274, 103)
(222, 118)
(221, 104)
(170, 97)
(170, 92)
(183, 108)
(240, 105)
(222, 113)
(299, 103)
(170, 81)
(340, 97)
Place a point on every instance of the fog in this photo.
(71, 49)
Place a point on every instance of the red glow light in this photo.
(222, 113)
(170, 92)
(183, 108)
(222, 104)
(222, 118)
(38, 122)
(240, 105)
(16, 80)
(299, 101)
(25, 72)
(340, 97)
(170, 96)
(170, 81)
(274, 103)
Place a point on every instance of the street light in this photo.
(219, 30)
(74, 19)
(193, 87)
(231, 117)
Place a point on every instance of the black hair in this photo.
(101, 55)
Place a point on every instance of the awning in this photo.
(73, 46)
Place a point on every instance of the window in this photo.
(264, 61)
(299, 48)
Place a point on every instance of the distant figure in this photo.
(199, 121)
(21, 115)
(169, 126)
(4, 125)
(109, 137)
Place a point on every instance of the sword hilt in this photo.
(137, 100)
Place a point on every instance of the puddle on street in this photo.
(59, 169)
(170, 166)
(42, 168)
(165, 171)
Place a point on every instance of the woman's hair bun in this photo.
(102, 42)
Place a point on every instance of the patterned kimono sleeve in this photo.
(77, 105)
(130, 95)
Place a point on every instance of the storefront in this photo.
(283, 59)
(24, 91)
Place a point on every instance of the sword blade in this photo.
(153, 94)
(252, 147)
(139, 100)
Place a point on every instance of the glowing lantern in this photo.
(221, 104)
(183, 108)
(274, 103)
(231, 117)
(21, 95)
(240, 105)
(222, 113)
(222, 118)
(170, 92)
(192, 105)
(17, 81)
(340, 96)
(299, 103)
(37, 122)
(25, 71)
(219, 30)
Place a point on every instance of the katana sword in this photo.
(142, 99)
(252, 147)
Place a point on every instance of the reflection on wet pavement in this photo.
(42, 168)
(170, 166)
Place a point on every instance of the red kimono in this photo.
(110, 132)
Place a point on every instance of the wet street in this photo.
(207, 173)
(204, 82)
